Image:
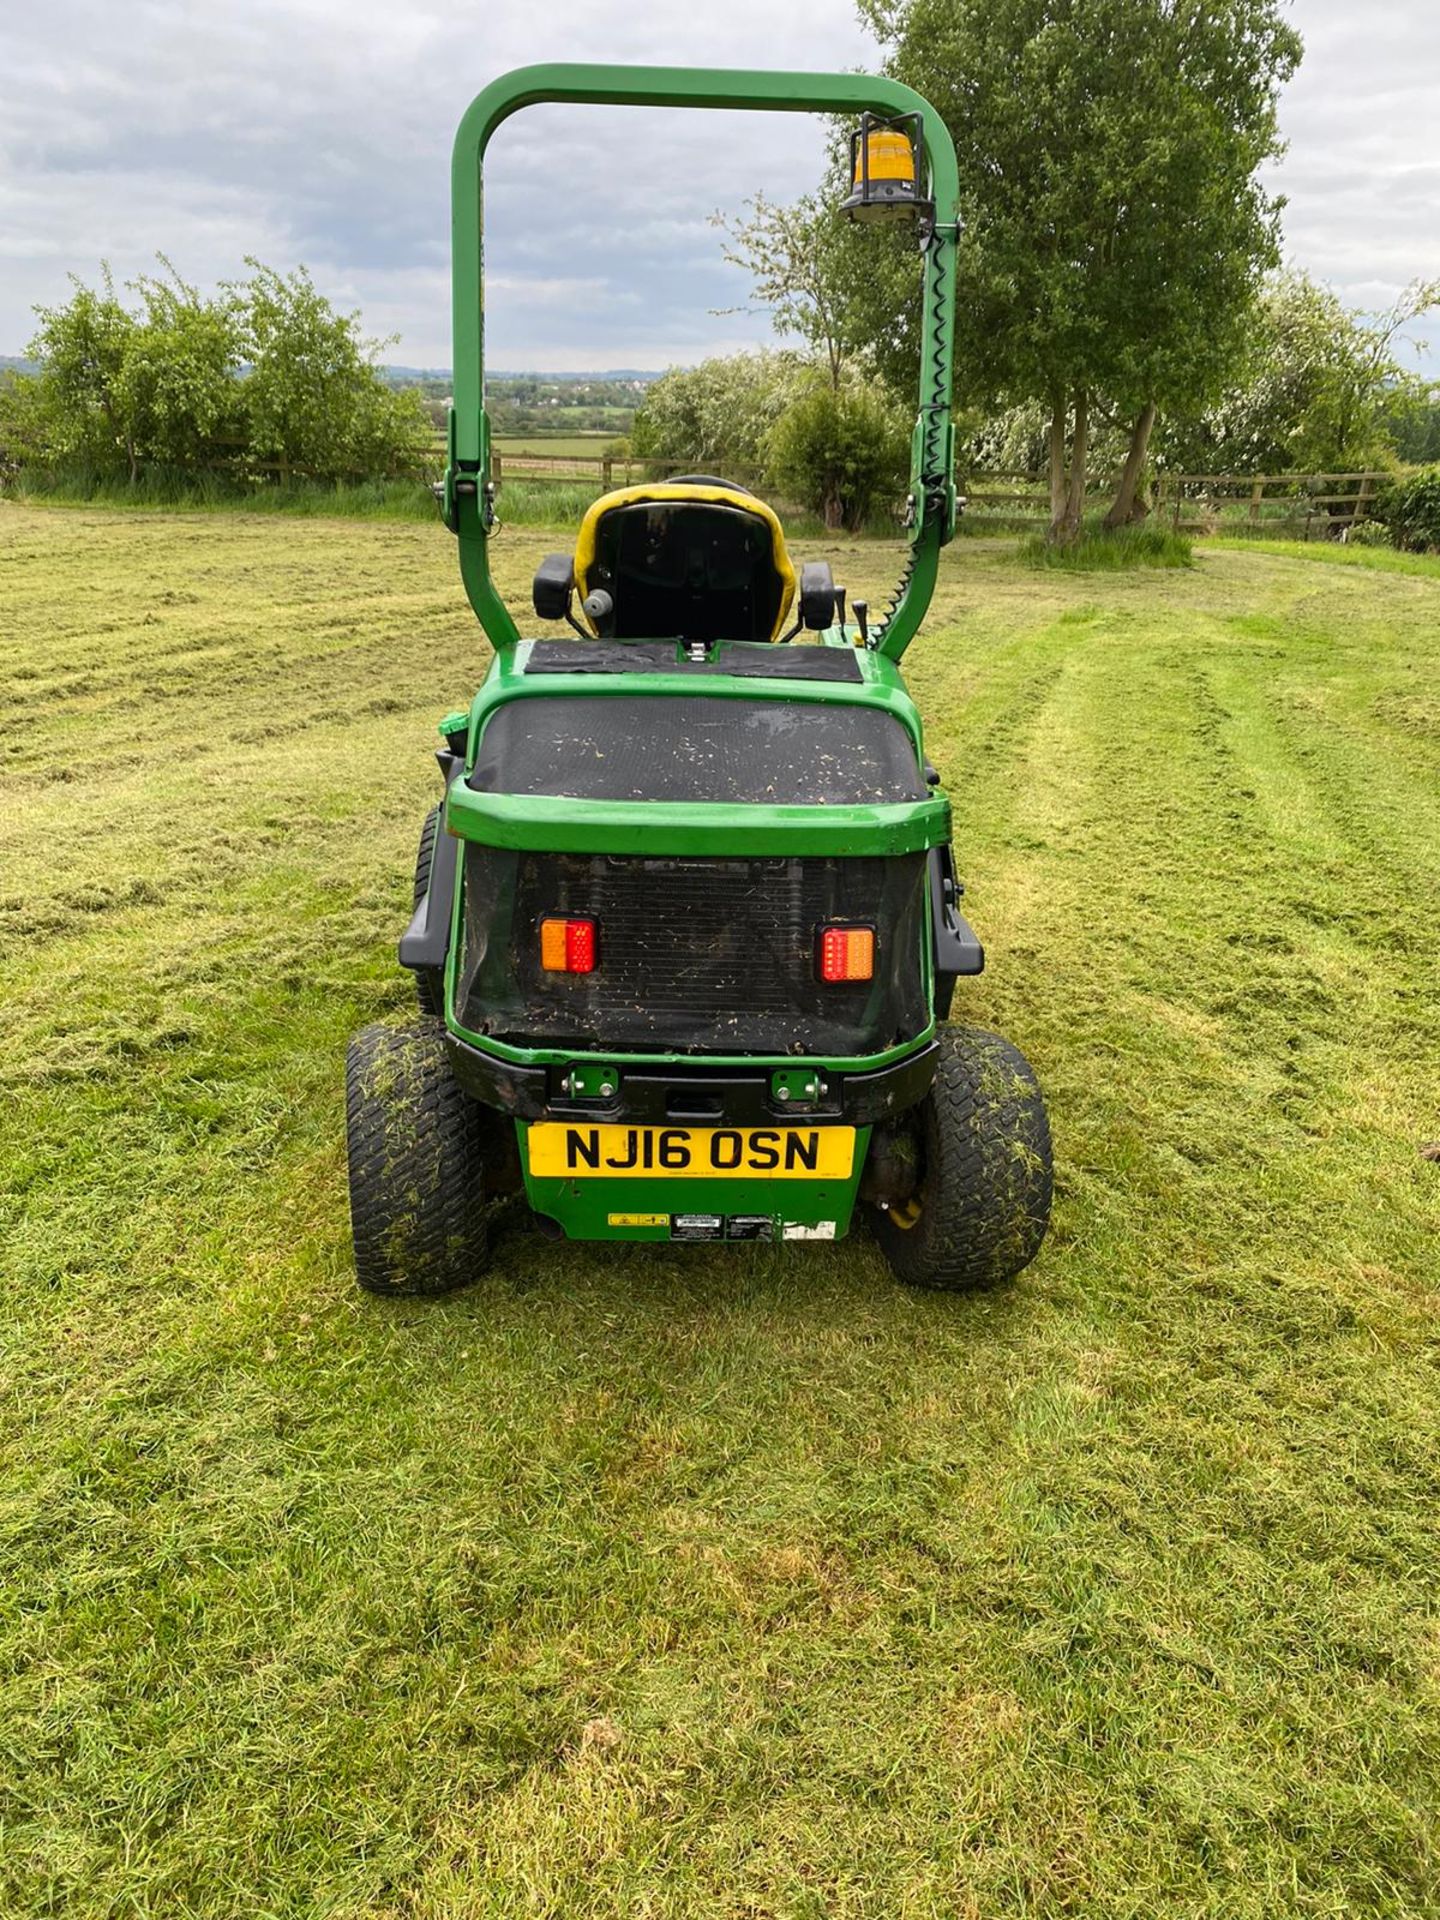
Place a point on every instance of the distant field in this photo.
(678, 1582)
(569, 444)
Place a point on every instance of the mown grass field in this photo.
(691, 1582)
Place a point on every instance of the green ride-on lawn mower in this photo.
(686, 923)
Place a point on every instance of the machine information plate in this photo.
(697, 1226)
(564, 1150)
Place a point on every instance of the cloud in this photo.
(1362, 173)
(319, 131)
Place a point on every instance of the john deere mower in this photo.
(686, 925)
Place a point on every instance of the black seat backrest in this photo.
(687, 569)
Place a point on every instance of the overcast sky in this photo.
(319, 131)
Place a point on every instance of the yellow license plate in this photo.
(560, 1149)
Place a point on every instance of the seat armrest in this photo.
(554, 583)
(817, 596)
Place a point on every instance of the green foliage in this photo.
(312, 396)
(544, 503)
(841, 452)
(1411, 511)
(166, 489)
(264, 372)
(1318, 389)
(806, 261)
(1113, 229)
(1368, 533)
(1410, 414)
(1112, 551)
(716, 417)
(27, 426)
(85, 349)
(179, 375)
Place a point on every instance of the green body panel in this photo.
(583, 1207)
(575, 826)
(468, 505)
(562, 825)
(551, 823)
(881, 685)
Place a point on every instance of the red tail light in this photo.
(568, 946)
(847, 953)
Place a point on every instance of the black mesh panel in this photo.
(703, 956)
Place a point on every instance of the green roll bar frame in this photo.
(468, 502)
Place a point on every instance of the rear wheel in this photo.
(416, 1146)
(981, 1202)
(429, 981)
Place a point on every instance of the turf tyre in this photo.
(986, 1175)
(429, 981)
(415, 1144)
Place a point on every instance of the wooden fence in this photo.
(1314, 506)
(1308, 506)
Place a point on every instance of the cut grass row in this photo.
(726, 1582)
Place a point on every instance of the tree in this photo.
(27, 423)
(717, 416)
(313, 398)
(1319, 390)
(838, 451)
(83, 349)
(1113, 233)
(1411, 417)
(263, 371)
(803, 262)
(1411, 511)
(157, 384)
(179, 378)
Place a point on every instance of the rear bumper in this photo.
(694, 1091)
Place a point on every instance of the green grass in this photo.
(546, 503)
(1420, 566)
(707, 1582)
(169, 492)
(1099, 552)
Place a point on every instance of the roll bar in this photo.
(468, 503)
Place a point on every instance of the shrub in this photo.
(263, 375)
(1411, 510)
(716, 417)
(1368, 533)
(841, 453)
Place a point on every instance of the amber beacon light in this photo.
(886, 170)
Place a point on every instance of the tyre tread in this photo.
(429, 982)
(989, 1177)
(416, 1152)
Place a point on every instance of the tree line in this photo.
(262, 377)
(1121, 302)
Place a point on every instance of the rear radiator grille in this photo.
(695, 956)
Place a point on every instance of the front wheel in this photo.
(416, 1149)
(984, 1170)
